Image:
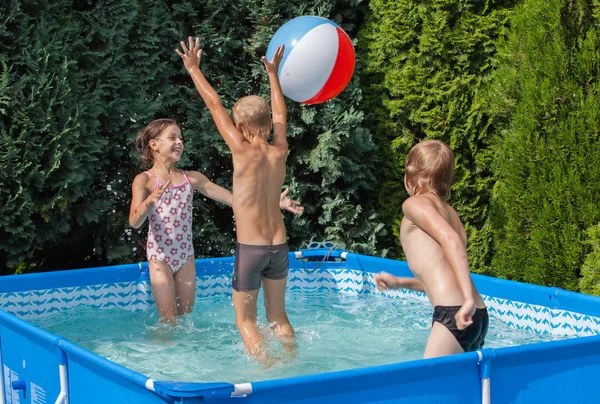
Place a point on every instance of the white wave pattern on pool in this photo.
(333, 332)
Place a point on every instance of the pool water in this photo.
(333, 332)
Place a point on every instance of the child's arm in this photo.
(424, 214)
(191, 60)
(215, 192)
(209, 189)
(290, 205)
(279, 113)
(385, 281)
(140, 204)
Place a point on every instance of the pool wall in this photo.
(550, 372)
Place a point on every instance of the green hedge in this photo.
(425, 64)
(79, 79)
(545, 95)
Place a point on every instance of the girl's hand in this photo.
(273, 65)
(464, 316)
(191, 56)
(155, 196)
(290, 205)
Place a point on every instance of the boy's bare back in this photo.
(258, 166)
(258, 175)
(426, 256)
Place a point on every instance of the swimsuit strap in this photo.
(153, 176)
(186, 177)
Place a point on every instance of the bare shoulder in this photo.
(196, 177)
(142, 180)
(456, 223)
(415, 202)
(143, 184)
(280, 151)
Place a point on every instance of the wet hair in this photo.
(254, 114)
(151, 131)
(430, 168)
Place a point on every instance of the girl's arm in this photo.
(191, 59)
(206, 187)
(141, 202)
(424, 214)
(279, 113)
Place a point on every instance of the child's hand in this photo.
(155, 196)
(191, 56)
(289, 204)
(381, 281)
(464, 316)
(273, 65)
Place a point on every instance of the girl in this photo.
(164, 194)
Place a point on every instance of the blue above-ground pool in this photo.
(39, 367)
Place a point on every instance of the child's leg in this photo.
(244, 304)
(274, 290)
(185, 287)
(163, 288)
(441, 342)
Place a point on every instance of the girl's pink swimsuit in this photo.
(170, 227)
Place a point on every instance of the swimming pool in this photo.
(40, 367)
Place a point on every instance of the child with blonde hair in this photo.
(163, 195)
(259, 169)
(434, 241)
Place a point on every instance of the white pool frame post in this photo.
(2, 391)
(63, 396)
(485, 373)
(242, 390)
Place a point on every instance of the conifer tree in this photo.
(545, 97)
(426, 62)
(80, 79)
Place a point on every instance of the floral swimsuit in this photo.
(170, 227)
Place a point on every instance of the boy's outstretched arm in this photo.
(385, 281)
(191, 59)
(279, 113)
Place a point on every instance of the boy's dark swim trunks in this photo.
(254, 261)
(472, 337)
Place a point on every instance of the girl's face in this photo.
(169, 144)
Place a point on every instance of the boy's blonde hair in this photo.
(254, 114)
(430, 168)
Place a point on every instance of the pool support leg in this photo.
(2, 392)
(486, 356)
(63, 397)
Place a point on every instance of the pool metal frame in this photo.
(39, 367)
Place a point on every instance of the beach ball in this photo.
(318, 61)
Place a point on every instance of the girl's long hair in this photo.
(151, 131)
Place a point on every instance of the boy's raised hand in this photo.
(273, 65)
(191, 53)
